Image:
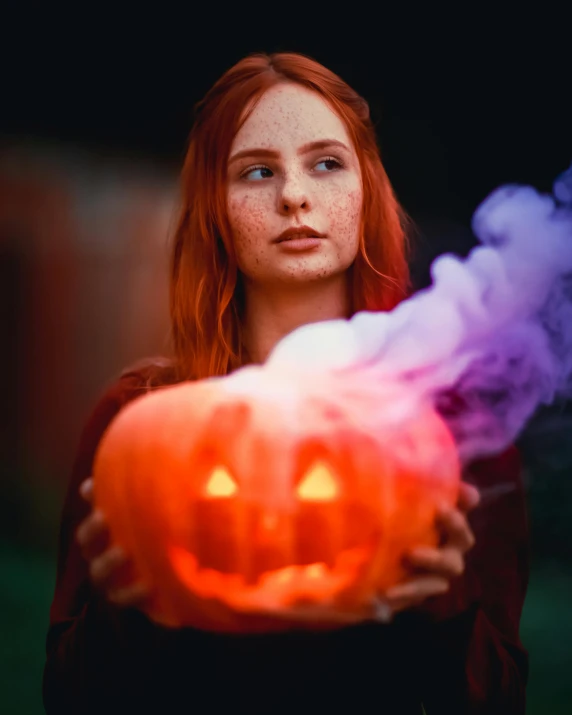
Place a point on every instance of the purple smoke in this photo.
(487, 343)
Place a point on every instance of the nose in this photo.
(293, 195)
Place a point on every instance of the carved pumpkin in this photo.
(237, 497)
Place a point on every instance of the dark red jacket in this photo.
(460, 653)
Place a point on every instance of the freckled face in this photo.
(292, 164)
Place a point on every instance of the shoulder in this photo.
(132, 382)
(148, 374)
(135, 380)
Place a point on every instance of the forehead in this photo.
(288, 115)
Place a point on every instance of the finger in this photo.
(103, 568)
(417, 589)
(447, 562)
(130, 596)
(469, 497)
(92, 535)
(456, 529)
(382, 611)
(86, 490)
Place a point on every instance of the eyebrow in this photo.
(272, 154)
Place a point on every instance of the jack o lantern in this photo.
(246, 496)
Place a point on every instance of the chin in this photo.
(311, 269)
(309, 277)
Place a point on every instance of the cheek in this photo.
(247, 212)
(345, 213)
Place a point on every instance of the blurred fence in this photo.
(83, 293)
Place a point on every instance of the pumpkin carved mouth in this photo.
(274, 590)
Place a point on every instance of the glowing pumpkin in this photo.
(238, 496)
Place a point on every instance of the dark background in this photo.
(463, 101)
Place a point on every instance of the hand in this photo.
(110, 570)
(435, 567)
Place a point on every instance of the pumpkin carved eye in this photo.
(220, 484)
(318, 484)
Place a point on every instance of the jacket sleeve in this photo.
(472, 660)
(84, 639)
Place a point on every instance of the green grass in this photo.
(26, 586)
(547, 634)
(26, 583)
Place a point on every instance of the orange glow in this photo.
(318, 484)
(285, 575)
(316, 571)
(312, 581)
(269, 522)
(220, 484)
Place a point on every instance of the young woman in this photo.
(287, 218)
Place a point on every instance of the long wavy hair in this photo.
(205, 286)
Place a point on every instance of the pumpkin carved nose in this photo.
(267, 526)
(269, 522)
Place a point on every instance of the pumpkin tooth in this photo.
(314, 571)
(278, 579)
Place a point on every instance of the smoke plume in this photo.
(487, 343)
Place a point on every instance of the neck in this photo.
(273, 312)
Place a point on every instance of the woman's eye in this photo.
(330, 164)
(256, 173)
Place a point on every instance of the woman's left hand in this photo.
(433, 568)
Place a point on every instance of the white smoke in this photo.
(487, 343)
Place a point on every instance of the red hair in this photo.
(205, 295)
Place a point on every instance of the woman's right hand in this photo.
(110, 570)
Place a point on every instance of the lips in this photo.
(298, 232)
